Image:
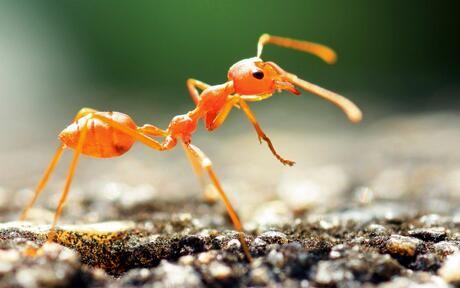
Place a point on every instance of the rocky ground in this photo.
(369, 207)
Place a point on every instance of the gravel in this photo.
(385, 214)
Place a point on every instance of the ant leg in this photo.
(133, 133)
(206, 165)
(325, 53)
(83, 112)
(214, 122)
(210, 195)
(137, 135)
(41, 185)
(255, 98)
(152, 130)
(261, 134)
(68, 181)
(192, 85)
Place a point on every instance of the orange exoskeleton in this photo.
(111, 134)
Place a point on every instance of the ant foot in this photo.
(287, 162)
(31, 251)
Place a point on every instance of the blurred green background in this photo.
(134, 56)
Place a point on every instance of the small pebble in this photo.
(233, 244)
(336, 251)
(259, 276)
(172, 275)
(376, 229)
(445, 248)
(327, 273)
(258, 242)
(124, 195)
(186, 260)
(434, 234)
(54, 269)
(450, 270)
(432, 220)
(326, 225)
(402, 245)
(416, 280)
(8, 258)
(334, 254)
(274, 237)
(275, 258)
(426, 262)
(206, 257)
(312, 188)
(274, 213)
(219, 271)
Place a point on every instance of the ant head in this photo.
(254, 77)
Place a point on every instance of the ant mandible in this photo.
(111, 134)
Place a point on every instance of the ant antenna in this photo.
(325, 53)
(352, 111)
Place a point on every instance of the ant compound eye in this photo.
(258, 74)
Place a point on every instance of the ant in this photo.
(111, 134)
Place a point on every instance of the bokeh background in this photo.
(396, 59)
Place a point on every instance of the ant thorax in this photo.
(182, 126)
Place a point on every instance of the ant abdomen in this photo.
(102, 140)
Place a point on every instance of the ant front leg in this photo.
(192, 85)
(214, 120)
(261, 134)
(206, 165)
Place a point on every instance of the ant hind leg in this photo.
(41, 185)
(68, 181)
(83, 112)
(206, 165)
(209, 192)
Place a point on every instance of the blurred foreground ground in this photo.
(375, 205)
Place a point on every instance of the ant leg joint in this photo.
(83, 112)
(169, 143)
(206, 163)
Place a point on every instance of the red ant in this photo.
(111, 134)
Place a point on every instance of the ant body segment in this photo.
(111, 134)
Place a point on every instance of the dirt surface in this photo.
(374, 208)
